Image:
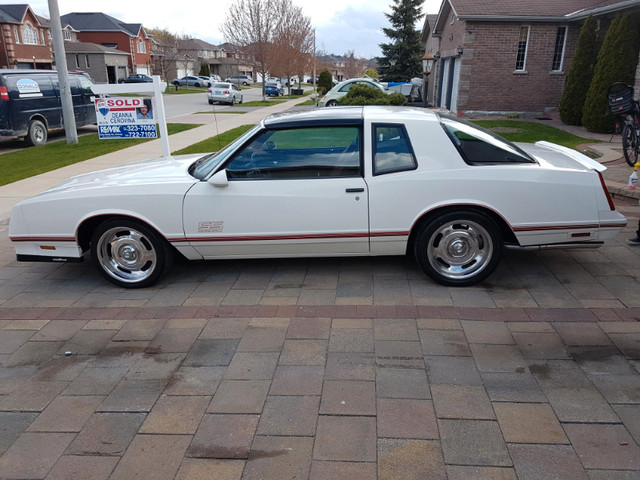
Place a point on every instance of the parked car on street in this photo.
(136, 78)
(215, 78)
(30, 103)
(189, 81)
(224, 92)
(273, 89)
(245, 80)
(333, 96)
(356, 181)
(206, 80)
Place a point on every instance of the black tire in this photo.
(130, 254)
(245, 84)
(210, 102)
(332, 103)
(630, 144)
(240, 99)
(459, 248)
(233, 101)
(176, 83)
(36, 133)
(197, 85)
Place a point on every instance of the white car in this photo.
(333, 96)
(224, 92)
(331, 182)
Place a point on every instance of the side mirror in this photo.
(219, 179)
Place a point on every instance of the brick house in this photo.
(508, 55)
(101, 29)
(25, 40)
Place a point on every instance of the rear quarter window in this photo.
(392, 150)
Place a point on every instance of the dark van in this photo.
(30, 103)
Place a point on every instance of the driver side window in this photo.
(301, 153)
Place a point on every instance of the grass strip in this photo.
(531, 132)
(32, 161)
(213, 144)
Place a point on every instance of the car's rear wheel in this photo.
(332, 103)
(459, 248)
(210, 102)
(129, 253)
(233, 101)
(36, 133)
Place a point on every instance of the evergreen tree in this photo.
(401, 58)
(204, 69)
(325, 82)
(580, 74)
(617, 62)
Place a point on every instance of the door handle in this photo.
(355, 190)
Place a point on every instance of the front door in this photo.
(289, 192)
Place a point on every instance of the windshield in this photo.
(202, 167)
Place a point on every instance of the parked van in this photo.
(30, 103)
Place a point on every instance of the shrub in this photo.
(580, 74)
(365, 95)
(617, 62)
(204, 70)
(325, 80)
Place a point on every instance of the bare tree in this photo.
(293, 40)
(351, 67)
(164, 52)
(250, 24)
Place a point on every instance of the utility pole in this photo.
(68, 115)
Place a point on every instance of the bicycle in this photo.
(627, 113)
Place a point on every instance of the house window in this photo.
(86, 60)
(29, 35)
(142, 47)
(42, 37)
(77, 61)
(558, 52)
(16, 34)
(68, 36)
(523, 41)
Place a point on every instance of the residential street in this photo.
(354, 368)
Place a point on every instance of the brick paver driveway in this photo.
(324, 369)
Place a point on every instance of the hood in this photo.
(161, 170)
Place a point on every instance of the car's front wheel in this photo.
(332, 103)
(36, 133)
(459, 248)
(129, 253)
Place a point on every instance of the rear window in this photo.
(220, 85)
(479, 146)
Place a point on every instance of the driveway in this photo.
(325, 369)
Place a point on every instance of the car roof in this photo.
(348, 116)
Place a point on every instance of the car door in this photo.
(288, 192)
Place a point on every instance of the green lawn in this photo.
(32, 161)
(171, 90)
(259, 103)
(520, 131)
(213, 144)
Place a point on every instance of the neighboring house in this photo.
(508, 55)
(101, 29)
(192, 52)
(229, 61)
(335, 64)
(103, 64)
(25, 40)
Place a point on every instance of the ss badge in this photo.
(210, 227)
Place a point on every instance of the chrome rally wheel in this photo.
(129, 254)
(459, 249)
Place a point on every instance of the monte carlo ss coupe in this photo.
(331, 182)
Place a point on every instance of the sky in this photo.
(341, 25)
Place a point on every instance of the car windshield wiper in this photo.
(195, 165)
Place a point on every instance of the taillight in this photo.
(226, 92)
(209, 91)
(4, 94)
(606, 192)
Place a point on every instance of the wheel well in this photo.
(507, 233)
(86, 229)
(40, 118)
